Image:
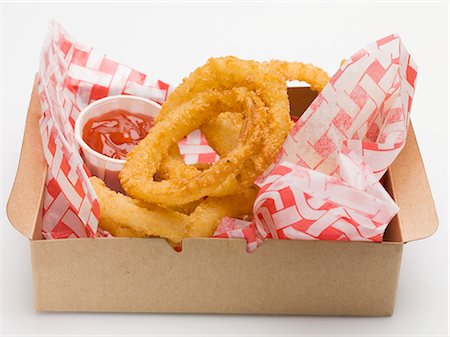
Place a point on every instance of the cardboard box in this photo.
(218, 275)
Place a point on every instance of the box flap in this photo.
(417, 218)
(24, 206)
(216, 276)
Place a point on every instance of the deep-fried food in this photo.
(316, 77)
(123, 216)
(226, 73)
(145, 159)
(242, 107)
(222, 131)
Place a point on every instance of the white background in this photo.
(170, 40)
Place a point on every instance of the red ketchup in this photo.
(115, 133)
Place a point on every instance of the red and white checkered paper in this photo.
(324, 184)
(71, 76)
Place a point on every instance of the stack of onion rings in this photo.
(242, 108)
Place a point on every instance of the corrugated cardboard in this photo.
(218, 275)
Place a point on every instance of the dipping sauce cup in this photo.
(100, 165)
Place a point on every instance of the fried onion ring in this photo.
(222, 132)
(145, 159)
(223, 74)
(316, 77)
(123, 216)
(243, 109)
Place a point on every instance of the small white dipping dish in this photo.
(99, 165)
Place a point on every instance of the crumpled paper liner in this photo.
(71, 76)
(324, 184)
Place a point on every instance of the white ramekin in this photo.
(98, 164)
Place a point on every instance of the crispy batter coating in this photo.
(225, 140)
(222, 74)
(145, 159)
(316, 77)
(204, 220)
(123, 216)
(222, 131)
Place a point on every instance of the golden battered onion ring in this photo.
(221, 131)
(243, 109)
(223, 74)
(145, 159)
(123, 216)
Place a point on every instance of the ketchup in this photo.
(115, 133)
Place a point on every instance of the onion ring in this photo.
(316, 77)
(243, 109)
(222, 74)
(145, 159)
(222, 132)
(123, 216)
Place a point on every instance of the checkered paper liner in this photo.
(324, 184)
(72, 76)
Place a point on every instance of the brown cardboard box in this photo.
(218, 275)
